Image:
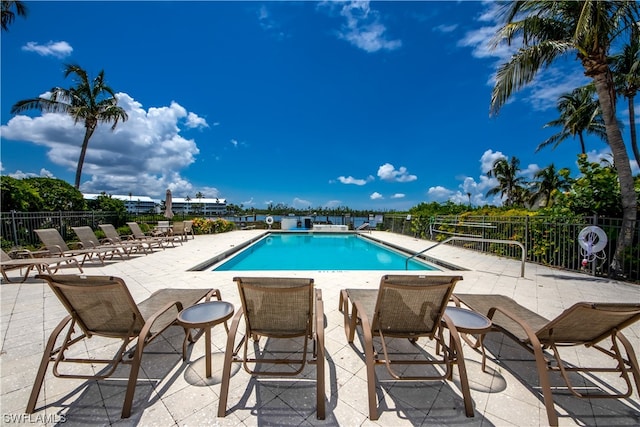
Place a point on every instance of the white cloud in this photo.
(376, 196)
(439, 193)
(363, 28)
(59, 49)
(398, 196)
(193, 121)
(144, 155)
(333, 203)
(446, 28)
(488, 158)
(301, 203)
(354, 181)
(234, 142)
(388, 172)
(21, 175)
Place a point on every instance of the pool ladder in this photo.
(474, 239)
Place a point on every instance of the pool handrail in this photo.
(475, 239)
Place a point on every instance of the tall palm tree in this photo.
(626, 67)
(8, 15)
(579, 114)
(90, 101)
(510, 185)
(548, 182)
(551, 29)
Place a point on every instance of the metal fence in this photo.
(548, 240)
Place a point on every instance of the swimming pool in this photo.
(319, 251)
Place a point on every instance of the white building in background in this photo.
(133, 204)
(203, 206)
(179, 205)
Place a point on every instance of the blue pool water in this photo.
(306, 251)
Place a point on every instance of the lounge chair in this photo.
(178, 231)
(188, 229)
(411, 307)
(277, 308)
(56, 245)
(30, 262)
(102, 306)
(89, 240)
(584, 323)
(112, 236)
(138, 234)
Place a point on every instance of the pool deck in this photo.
(172, 392)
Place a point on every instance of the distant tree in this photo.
(91, 102)
(104, 202)
(550, 30)
(510, 185)
(18, 195)
(549, 181)
(579, 115)
(8, 15)
(626, 67)
(57, 195)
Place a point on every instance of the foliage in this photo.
(596, 191)
(18, 195)
(57, 195)
(104, 202)
(211, 226)
(40, 194)
(8, 15)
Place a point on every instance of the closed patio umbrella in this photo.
(168, 213)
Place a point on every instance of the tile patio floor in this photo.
(171, 392)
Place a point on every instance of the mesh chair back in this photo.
(101, 305)
(86, 236)
(52, 239)
(277, 307)
(111, 232)
(589, 322)
(412, 305)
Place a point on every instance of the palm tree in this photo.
(199, 196)
(8, 16)
(579, 114)
(549, 181)
(92, 102)
(626, 67)
(551, 29)
(510, 186)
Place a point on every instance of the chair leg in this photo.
(44, 363)
(370, 363)
(543, 376)
(320, 390)
(226, 369)
(135, 369)
(458, 356)
(633, 361)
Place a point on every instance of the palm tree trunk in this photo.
(632, 125)
(83, 152)
(584, 151)
(606, 97)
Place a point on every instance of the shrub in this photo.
(211, 226)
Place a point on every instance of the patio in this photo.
(172, 392)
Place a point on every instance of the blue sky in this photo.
(370, 105)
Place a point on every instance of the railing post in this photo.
(13, 225)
